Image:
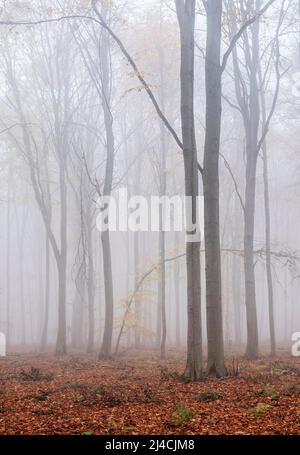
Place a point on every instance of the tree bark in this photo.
(47, 296)
(105, 351)
(252, 125)
(136, 253)
(90, 280)
(251, 115)
(137, 303)
(215, 363)
(268, 252)
(162, 240)
(61, 341)
(176, 279)
(186, 18)
(250, 294)
(8, 242)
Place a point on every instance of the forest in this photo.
(149, 217)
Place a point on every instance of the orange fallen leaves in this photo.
(82, 395)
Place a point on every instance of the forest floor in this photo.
(138, 394)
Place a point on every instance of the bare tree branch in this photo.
(227, 165)
(126, 54)
(241, 31)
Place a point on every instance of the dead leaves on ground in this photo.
(138, 395)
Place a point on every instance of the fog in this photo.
(87, 109)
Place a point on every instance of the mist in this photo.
(164, 99)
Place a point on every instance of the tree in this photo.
(108, 121)
(213, 75)
(214, 69)
(28, 148)
(248, 94)
(186, 19)
(275, 55)
(98, 64)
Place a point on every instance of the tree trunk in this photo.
(137, 303)
(8, 332)
(105, 351)
(22, 296)
(136, 254)
(268, 252)
(61, 341)
(158, 316)
(236, 275)
(21, 227)
(268, 246)
(47, 296)
(176, 279)
(90, 281)
(249, 106)
(236, 240)
(215, 363)
(162, 192)
(78, 312)
(186, 19)
(250, 191)
(162, 278)
(250, 295)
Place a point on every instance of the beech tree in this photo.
(247, 88)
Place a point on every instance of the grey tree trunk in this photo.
(22, 296)
(47, 296)
(105, 351)
(162, 279)
(136, 252)
(61, 341)
(268, 235)
(78, 311)
(268, 252)
(251, 115)
(8, 242)
(90, 280)
(176, 279)
(158, 316)
(108, 291)
(162, 241)
(137, 303)
(267, 211)
(237, 243)
(186, 18)
(21, 236)
(215, 362)
(236, 274)
(250, 294)
(252, 60)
